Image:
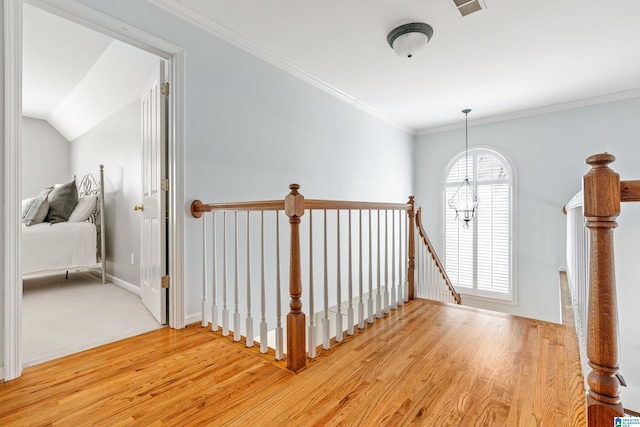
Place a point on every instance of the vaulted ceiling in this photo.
(74, 77)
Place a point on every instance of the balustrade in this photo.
(375, 235)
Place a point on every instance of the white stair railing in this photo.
(578, 265)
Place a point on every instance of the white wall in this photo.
(45, 157)
(627, 253)
(252, 129)
(548, 152)
(116, 143)
(2, 186)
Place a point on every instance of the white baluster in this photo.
(225, 304)
(339, 282)
(378, 268)
(312, 317)
(263, 315)
(394, 303)
(205, 280)
(386, 262)
(401, 260)
(361, 279)
(406, 259)
(370, 300)
(326, 336)
(279, 335)
(236, 288)
(214, 293)
(350, 328)
(249, 334)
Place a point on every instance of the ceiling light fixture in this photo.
(464, 200)
(409, 39)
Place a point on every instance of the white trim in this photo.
(13, 118)
(188, 14)
(611, 97)
(194, 318)
(124, 284)
(175, 172)
(12, 185)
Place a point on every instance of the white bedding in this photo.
(64, 245)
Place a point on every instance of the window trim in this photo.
(488, 296)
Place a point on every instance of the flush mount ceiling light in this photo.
(409, 39)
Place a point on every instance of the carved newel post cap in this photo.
(294, 202)
(601, 188)
(600, 160)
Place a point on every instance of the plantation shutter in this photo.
(478, 259)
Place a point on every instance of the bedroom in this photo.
(63, 137)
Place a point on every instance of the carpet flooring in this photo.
(65, 316)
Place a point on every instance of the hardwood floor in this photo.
(428, 364)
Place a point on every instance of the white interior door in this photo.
(153, 208)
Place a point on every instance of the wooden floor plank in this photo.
(427, 363)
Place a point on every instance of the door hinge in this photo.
(164, 88)
(164, 184)
(165, 282)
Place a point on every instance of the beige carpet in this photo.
(65, 316)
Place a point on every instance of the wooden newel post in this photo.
(412, 249)
(601, 189)
(296, 322)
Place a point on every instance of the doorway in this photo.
(13, 83)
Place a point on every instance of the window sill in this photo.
(512, 301)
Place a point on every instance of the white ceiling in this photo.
(512, 57)
(74, 77)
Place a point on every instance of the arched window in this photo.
(479, 259)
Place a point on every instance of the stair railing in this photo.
(364, 249)
(433, 281)
(602, 194)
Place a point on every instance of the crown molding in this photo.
(611, 97)
(234, 38)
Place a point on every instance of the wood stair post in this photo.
(412, 249)
(296, 321)
(601, 187)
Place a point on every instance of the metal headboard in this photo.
(90, 187)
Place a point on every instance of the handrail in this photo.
(295, 206)
(630, 191)
(434, 256)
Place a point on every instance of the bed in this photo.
(72, 241)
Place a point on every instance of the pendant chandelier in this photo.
(464, 200)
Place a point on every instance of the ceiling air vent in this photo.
(467, 7)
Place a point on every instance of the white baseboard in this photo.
(119, 282)
(193, 318)
(2, 373)
(124, 284)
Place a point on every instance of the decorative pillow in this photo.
(25, 205)
(84, 208)
(35, 210)
(62, 200)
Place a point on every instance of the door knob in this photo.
(138, 208)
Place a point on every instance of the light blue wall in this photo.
(2, 284)
(252, 129)
(548, 153)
